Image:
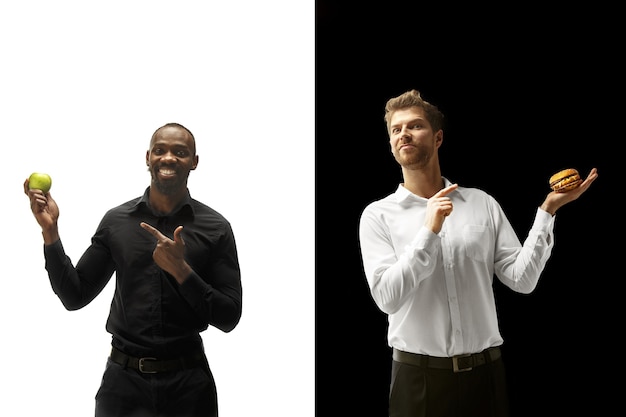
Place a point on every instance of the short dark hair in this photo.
(178, 125)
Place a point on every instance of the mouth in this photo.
(166, 173)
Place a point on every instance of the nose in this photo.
(169, 157)
(404, 134)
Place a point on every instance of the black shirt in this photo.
(151, 314)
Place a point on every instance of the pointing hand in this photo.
(169, 254)
(439, 207)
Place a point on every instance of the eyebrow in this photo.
(413, 120)
(174, 145)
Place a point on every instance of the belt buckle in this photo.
(455, 363)
(141, 365)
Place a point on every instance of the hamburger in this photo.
(565, 180)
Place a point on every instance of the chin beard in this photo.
(415, 161)
(167, 187)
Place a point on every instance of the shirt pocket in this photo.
(477, 241)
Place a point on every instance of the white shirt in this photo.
(437, 289)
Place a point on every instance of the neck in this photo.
(423, 182)
(165, 203)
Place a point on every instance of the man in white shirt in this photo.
(430, 252)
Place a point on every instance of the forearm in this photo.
(217, 305)
(50, 235)
(520, 269)
(75, 286)
(390, 277)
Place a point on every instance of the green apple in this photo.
(40, 181)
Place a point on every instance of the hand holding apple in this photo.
(42, 205)
(40, 181)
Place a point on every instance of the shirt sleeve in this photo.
(77, 286)
(216, 296)
(520, 268)
(394, 277)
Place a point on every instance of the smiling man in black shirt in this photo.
(177, 272)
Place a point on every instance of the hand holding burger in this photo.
(565, 180)
(566, 186)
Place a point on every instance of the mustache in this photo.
(155, 168)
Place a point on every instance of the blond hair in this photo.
(413, 98)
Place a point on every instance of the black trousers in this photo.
(427, 392)
(126, 392)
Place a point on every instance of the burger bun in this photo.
(565, 180)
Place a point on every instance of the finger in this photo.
(587, 182)
(446, 209)
(593, 174)
(39, 198)
(153, 231)
(445, 191)
(178, 237)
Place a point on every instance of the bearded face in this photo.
(170, 159)
(168, 179)
(415, 155)
(412, 140)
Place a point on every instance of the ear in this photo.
(439, 138)
(195, 162)
(148, 158)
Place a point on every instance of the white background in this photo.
(83, 85)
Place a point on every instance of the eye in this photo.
(416, 126)
(181, 154)
(158, 151)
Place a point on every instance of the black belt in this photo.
(149, 365)
(457, 363)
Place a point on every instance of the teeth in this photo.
(167, 171)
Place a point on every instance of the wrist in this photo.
(548, 208)
(183, 273)
(50, 235)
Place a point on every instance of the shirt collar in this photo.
(185, 208)
(403, 195)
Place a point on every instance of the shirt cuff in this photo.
(194, 289)
(543, 219)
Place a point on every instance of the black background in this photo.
(526, 92)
